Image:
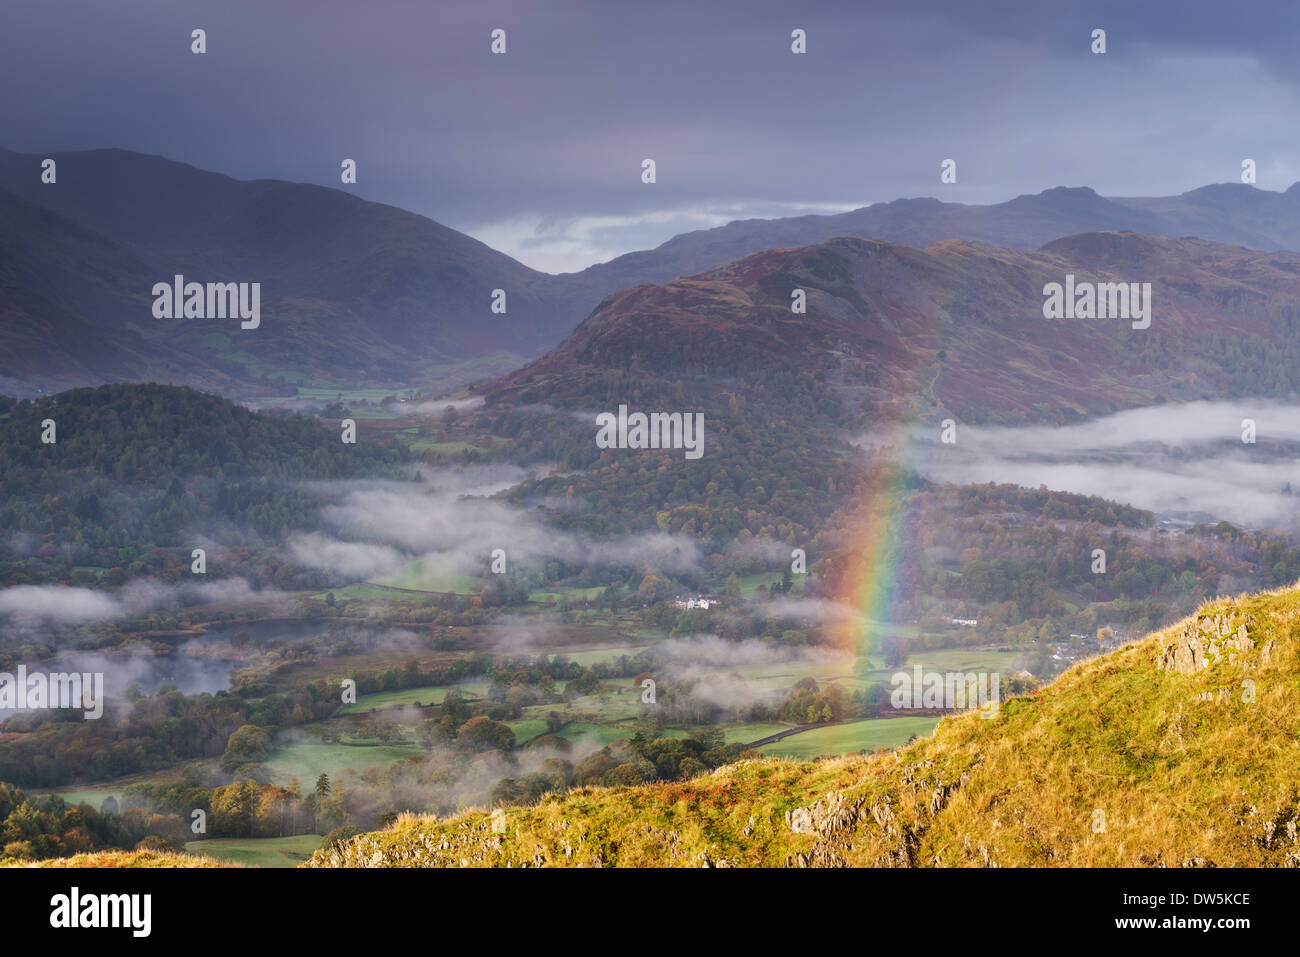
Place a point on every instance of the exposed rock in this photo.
(1200, 644)
(828, 816)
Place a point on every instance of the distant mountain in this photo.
(67, 308)
(958, 325)
(1228, 213)
(363, 294)
(353, 291)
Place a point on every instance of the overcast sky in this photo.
(538, 152)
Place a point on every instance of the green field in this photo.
(623, 701)
(587, 658)
(419, 578)
(754, 731)
(258, 851)
(964, 659)
(94, 794)
(565, 594)
(856, 736)
(526, 729)
(442, 448)
(949, 659)
(365, 593)
(327, 394)
(602, 734)
(749, 582)
(429, 694)
(373, 413)
(306, 761)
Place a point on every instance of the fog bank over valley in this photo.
(1180, 461)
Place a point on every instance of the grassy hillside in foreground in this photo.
(122, 859)
(1157, 754)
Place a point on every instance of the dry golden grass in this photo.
(111, 859)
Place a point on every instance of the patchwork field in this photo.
(839, 739)
(430, 694)
(418, 576)
(258, 852)
(307, 761)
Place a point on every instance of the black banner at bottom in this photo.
(139, 907)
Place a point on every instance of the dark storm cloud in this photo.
(539, 151)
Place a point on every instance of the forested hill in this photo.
(137, 471)
(140, 433)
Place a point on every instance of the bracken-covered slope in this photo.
(1182, 749)
(958, 325)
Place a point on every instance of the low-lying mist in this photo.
(1180, 461)
(451, 525)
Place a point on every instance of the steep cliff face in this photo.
(1178, 750)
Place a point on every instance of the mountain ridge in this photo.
(958, 325)
(351, 290)
(363, 293)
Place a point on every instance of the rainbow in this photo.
(876, 523)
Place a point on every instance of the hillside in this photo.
(137, 469)
(65, 308)
(352, 291)
(141, 433)
(1156, 736)
(957, 325)
(112, 859)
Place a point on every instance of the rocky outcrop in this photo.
(889, 827)
(1204, 642)
(825, 818)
